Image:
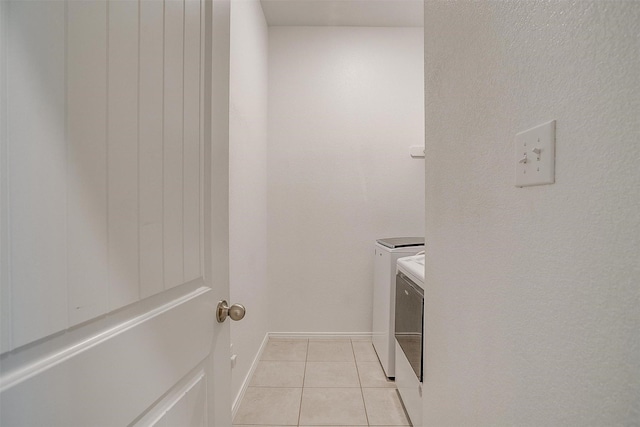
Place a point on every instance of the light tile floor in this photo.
(316, 382)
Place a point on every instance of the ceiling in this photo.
(357, 13)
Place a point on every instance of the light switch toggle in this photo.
(524, 159)
(537, 152)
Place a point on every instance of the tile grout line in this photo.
(304, 376)
(355, 361)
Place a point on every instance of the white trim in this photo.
(247, 378)
(160, 409)
(23, 373)
(138, 354)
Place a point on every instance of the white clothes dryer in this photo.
(387, 252)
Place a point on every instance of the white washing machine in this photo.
(387, 252)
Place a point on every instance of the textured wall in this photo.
(345, 104)
(248, 181)
(532, 297)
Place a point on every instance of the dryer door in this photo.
(409, 315)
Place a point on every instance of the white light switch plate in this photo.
(535, 155)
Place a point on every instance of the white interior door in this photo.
(114, 212)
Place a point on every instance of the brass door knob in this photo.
(235, 312)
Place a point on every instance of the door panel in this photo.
(36, 163)
(173, 139)
(186, 407)
(101, 203)
(122, 153)
(87, 160)
(114, 157)
(134, 363)
(150, 185)
(191, 141)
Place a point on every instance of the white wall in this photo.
(532, 293)
(248, 178)
(345, 104)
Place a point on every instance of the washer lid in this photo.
(401, 242)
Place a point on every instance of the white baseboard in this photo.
(247, 378)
